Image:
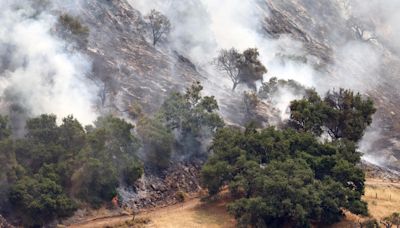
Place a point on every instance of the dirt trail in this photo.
(192, 213)
(102, 222)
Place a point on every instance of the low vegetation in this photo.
(73, 24)
(73, 30)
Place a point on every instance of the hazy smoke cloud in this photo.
(38, 72)
(384, 14)
(202, 27)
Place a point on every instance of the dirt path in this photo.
(102, 222)
(192, 213)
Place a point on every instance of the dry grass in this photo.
(192, 213)
(383, 197)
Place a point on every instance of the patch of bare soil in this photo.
(191, 213)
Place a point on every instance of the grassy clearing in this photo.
(192, 213)
(383, 197)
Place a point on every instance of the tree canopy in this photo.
(54, 168)
(241, 67)
(342, 114)
(192, 117)
(159, 25)
(290, 176)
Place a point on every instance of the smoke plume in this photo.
(202, 27)
(39, 73)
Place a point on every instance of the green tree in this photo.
(241, 67)
(159, 25)
(72, 135)
(342, 113)
(41, 173)
(42, 129)
(308, 114)
(192, 116)
(283, 177)
(108, 156)
(157, 141)
(39, 199)
(348, 114)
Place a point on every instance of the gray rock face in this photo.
(153, 190)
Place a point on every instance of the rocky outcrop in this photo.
(154, 190)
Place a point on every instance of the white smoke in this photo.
(203, 27)
(37, 70)
(384, 14)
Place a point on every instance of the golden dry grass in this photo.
(383, 197)
(192, 213)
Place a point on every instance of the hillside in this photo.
(144, 74)
(113, 108)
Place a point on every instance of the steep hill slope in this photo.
(342, 49)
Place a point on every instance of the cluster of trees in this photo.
(341, 114)
(291, 176)
(56, 168)
(243, 67)
(182, 124)
(52, 170)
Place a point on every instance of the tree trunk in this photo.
(235, 84)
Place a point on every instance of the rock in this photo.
(156, 191)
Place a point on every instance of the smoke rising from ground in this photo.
(384, 15)
(39, 73)
(202, 27)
